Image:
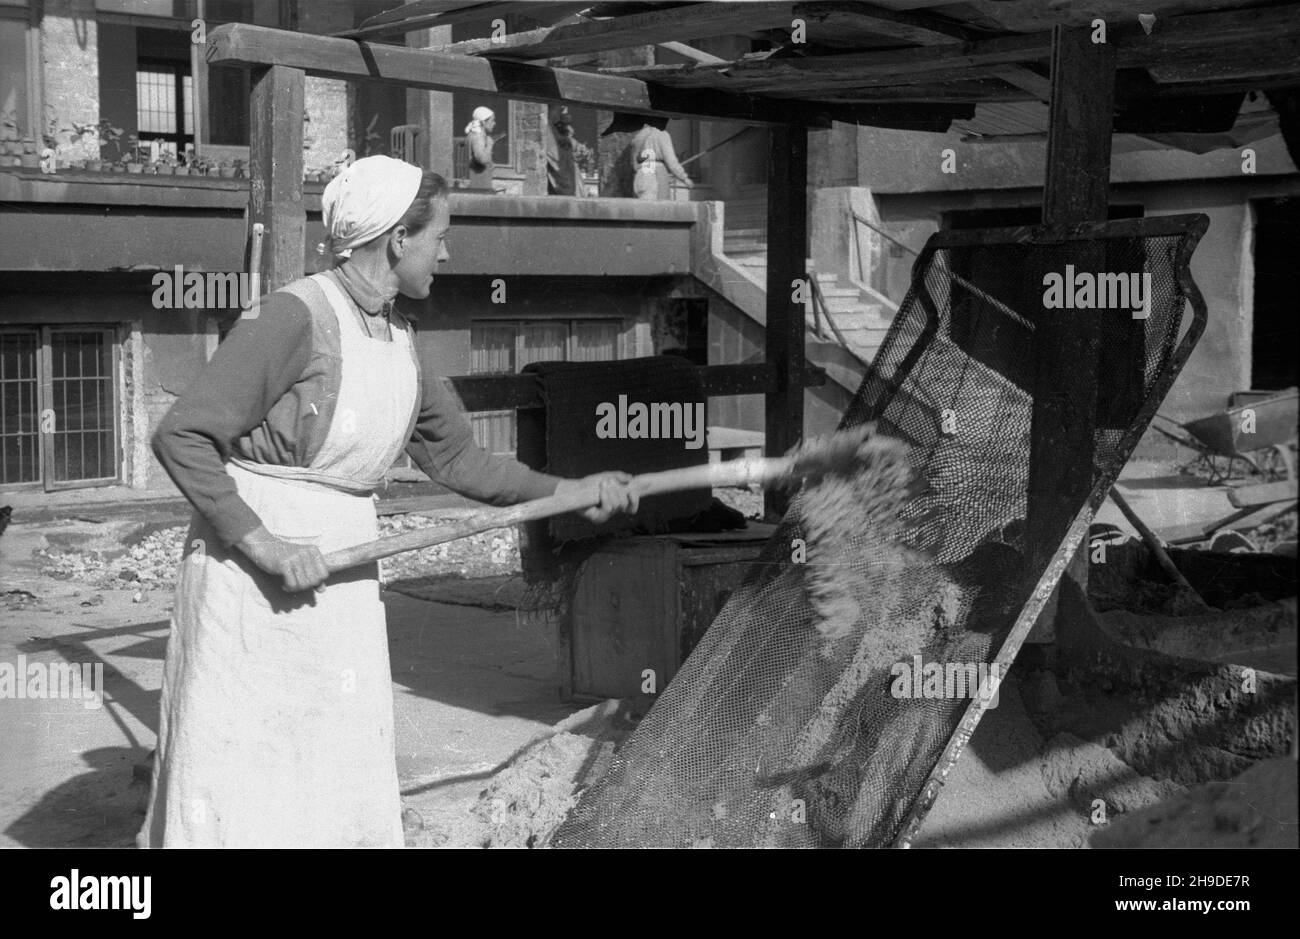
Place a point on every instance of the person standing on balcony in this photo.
(563, 175)
(479, 143)
(276, 724)
(648, 159)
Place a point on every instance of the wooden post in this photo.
(1065, 387)
(275, 164)
(787, 251)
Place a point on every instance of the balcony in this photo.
(78, 221)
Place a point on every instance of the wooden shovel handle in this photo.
(747, 471)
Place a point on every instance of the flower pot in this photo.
(94, 166)
(30, 160)
(214, 171)
(227, 172)
(135, 169)
(116, 168)
(182, 170)
(164, 169)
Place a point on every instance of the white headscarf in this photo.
(365, 200)
(477, 118)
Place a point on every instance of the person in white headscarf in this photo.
(276, 724)
(479, 143)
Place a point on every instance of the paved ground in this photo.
(470, 688)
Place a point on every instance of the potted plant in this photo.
(11, 145)
(134, 160)
(241, 168)
(226, 169)
(110, 135)
(165, 164)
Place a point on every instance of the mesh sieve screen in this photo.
(769, 709)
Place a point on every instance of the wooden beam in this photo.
(678, 24)
(787, 252)
(329, 57)
(521, 392)
(1077, 188)
(275, 164)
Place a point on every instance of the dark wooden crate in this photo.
(642, 604)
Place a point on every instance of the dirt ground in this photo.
(487, 754)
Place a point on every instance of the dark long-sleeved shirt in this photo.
(268, 396)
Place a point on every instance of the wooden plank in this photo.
(1211, 31)
(329, 57)
(849, 24)
(1175, 40)
(425, 14)
(950, 92)
(787, 252)
(1278, 59)
(690, 52)
(679, 24)
(275, 163)
(850, 67)
(1038, 86)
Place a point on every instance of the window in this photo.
(504, 347)
(58, 406)
(163, 91)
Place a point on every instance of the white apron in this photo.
(277, 719)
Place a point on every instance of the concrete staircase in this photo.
(862, 322)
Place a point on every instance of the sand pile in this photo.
(1081, 772)
(530, 794)
(1255, 810)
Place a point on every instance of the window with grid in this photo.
(504, 347)
(58, 406)
(163, 91)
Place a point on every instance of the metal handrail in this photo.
(821, 308)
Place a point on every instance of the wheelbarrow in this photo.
(1259, 433)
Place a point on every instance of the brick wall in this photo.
(326, 134)
(70, 54)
